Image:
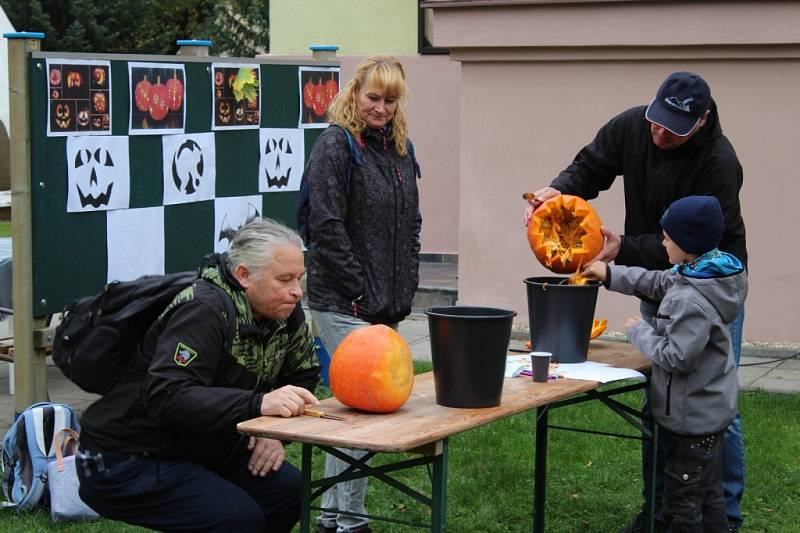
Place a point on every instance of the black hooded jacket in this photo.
(363, 255)
(654, 178)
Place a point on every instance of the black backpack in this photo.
(94, 342)
(303, 204)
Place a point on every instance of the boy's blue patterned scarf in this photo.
(713, 264)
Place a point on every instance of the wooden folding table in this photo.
(423, 427)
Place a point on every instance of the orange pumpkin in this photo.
(598, 327)
(372, 370)
(564, 233)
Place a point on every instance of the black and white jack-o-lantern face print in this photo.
(95, 176)
(278, 154)
(187, 167)
(229, 229)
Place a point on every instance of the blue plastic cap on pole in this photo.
(193, 42)
(24, 35)
(323, 47)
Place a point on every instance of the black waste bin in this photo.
(561, 316)
(469, 346)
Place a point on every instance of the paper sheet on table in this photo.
(592, 371)
(516, 364)
(589, 370)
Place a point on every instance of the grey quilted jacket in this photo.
(363, 250)
(694, 385)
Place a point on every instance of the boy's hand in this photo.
(632, 322)
(595, 270)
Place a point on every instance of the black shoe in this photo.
(637, 525)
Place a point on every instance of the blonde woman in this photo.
(363, 233)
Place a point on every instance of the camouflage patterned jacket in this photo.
(197, 388)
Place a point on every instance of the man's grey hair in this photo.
(254, 243)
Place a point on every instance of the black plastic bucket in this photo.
(469, 346)
(561, 317)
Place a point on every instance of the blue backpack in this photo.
(28, 447)
(303, 204)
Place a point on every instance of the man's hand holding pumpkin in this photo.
(535, 199)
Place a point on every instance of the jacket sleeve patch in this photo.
(184, 355)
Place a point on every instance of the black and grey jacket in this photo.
(197, 379)
(694, 384)
(654, 178)
(363, 251)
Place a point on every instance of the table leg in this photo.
(439, 489)
(540, 475)
(650, 504)
(305, 502)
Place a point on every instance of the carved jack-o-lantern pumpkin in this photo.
(141, 95)
(320, 105)
(187, 166)
(63, 115)
(239, 113)
(95, 174)
(174, 93)
(331, 90)
(564, 233)
(219, 77)
(99, 102)
(55, 76)
(74, 79)
(224, 112)
(97, 122)
(83, 117)
(308, 93)
(55, 94)
(159, 100)
(99, 76)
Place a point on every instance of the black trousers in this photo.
(694, 501)
(168, 495)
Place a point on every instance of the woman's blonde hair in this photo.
(385, 74)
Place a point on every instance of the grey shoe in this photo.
(362, 529)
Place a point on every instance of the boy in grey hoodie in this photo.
(694, 385)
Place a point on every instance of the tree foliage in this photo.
(236, 27)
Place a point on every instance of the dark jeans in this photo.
(169, 495)
(733, 447)
(694, 501)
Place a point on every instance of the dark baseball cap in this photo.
(680, 103)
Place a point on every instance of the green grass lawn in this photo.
(593, 481)
(5, 228)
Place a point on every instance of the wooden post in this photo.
(193, 47)
(322, 52)
(30, 372)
